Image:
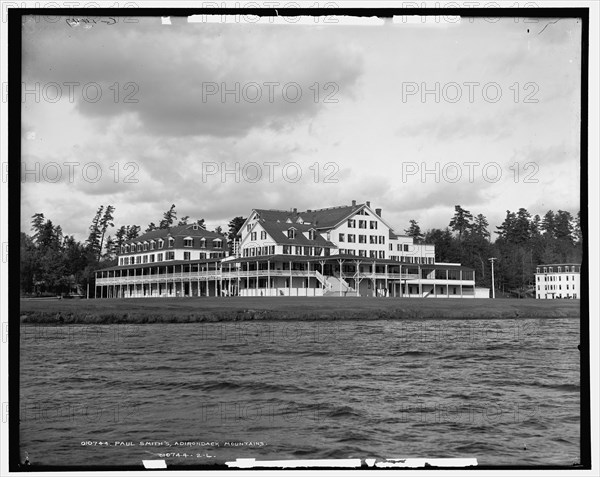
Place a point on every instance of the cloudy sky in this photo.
(134, 115)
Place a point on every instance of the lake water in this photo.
(502, 391)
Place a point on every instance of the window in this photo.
(187, 255)
(362, 224)
(152, 244)
(373, 253)
(152, 258)
(405, 247)
(298, 250)
(351, 223)
(202, 242)
(126, 248)
(307, 250)
(372, 239)
(139, 247)
(138, 259)
(373, 224)
(253, 236)
(311, 234)
(362, 239)
(362, 253)
(391, 247)
(170, 256)
(318, 251)
(342, 236)
(145, 258)
(351, 238)
(145, 246)
(287, 250)
(161, 243)
(381, 239)
(217, 243)
(159, 257)
(291, 233)
(188, 242)
(263, 235)
(171, 242)
(381, 254)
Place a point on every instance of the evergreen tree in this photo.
(461, 222)
(414, 231)
(169, 218)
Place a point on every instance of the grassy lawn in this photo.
(282, 308)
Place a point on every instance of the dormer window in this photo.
(171, 242)
(126, 248)
(188, 242)
(161, 243)
(312, 234)
(299, 220)
(203, 243)
(145, 246)
(217, 243)
(152, 244)
(195, 227)
(139, 247)
(291, 233)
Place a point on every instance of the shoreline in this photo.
(213, 309)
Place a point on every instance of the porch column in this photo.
(340, 261)
(290, 287)
(269, 276)
(308, 274)
(447, 285)
(387, 291)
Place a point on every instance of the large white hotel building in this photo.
(348, 250)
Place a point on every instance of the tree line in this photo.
(522, 242)
(53, 263)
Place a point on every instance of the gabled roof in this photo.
(319, 218)
(278, 233)
(178, 231)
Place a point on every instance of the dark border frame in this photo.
(14, 193)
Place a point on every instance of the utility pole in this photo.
(493, 288)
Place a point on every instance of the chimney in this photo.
(353, 203)
(368, 203)
(308, 210)
(295, 210)
(378, 212)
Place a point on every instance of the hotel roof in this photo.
(178, 231)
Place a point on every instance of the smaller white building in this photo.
(557, 281)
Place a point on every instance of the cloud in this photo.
(196, 79)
